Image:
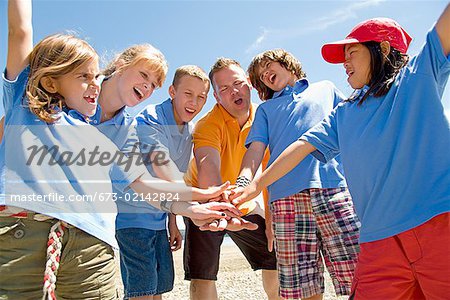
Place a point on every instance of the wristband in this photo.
(166, 206)
(242, 181)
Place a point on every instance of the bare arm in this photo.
(252, 159)
(20, 37)
(443, 29)
(170, 173)
(167, 171)
(145, 184)
(287, 160)
(208, 165)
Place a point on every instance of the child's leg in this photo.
(339, 233)
(384, 272)
(164, 266)
(164, 260)
(145, 255)
(87, 269)
(414, 264)
(432, 270)
(300, 266)
(22, 260)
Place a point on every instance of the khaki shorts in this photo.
(86, 271)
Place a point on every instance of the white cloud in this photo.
(256, 44)
(320, 24)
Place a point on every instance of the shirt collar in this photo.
(229, 118)
(299, 86)
(78, 116)
(357, 94)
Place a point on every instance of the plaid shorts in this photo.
(309, 225)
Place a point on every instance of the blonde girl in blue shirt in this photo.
(53, 84)
(393, 138)
(130, 79)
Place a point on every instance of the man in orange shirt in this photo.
(219, 146)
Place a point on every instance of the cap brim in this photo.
(334, 52)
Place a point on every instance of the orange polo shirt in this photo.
(220, 130)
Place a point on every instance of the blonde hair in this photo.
(54, 56)
(140, 53)
(286, 59)
(221, 63)
(190, 70)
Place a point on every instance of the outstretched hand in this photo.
(213, 193)
(232, 224)
(241, 195)
(206, 211)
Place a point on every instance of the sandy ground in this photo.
(236, 280)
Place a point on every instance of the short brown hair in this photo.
(221, 63)
(286, 59)
(190, 70)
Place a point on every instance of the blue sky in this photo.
(197, 32)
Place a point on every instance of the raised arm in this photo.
(20, 37)
(443, 29)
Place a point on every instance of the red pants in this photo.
(414, 264)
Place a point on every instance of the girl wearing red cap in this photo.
(393, 138)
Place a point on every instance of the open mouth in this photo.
(139, 94)
(190, 110)
(90, 99)
(272, 78)
(238, 101)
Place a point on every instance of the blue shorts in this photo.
(146, 261)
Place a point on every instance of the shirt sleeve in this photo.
(259, 131)
(14, 90)
(324, 137)
(122, 175)
(152, 134)
(338, 96)
(208, 133)
(431, 61)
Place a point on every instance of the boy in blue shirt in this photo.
(312, 209)
(163, 130)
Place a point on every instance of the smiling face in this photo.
(275, 76)
(188, 97)
(80, 88)
(357, 65)
(136, 83)
(232, 91)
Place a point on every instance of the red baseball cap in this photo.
(377, 30)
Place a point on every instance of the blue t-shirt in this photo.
(281, 120)
(157, 131)
(70, 182)
(395, 148)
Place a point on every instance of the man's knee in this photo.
(203, 289)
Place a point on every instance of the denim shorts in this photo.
(146, 261)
